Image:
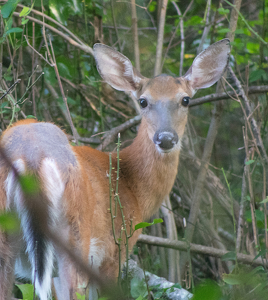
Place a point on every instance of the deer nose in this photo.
(166, 140)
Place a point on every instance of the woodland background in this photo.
(219, 199)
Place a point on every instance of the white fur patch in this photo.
(96, 254)
(96, 257)
(52, 181)
(12, 186)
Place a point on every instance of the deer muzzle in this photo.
(166, 140)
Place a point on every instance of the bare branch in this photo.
(10, 88)
(199, 249)
(135, 35)
(83, 46)
(224, 95)
(112, 134)
(160, 36)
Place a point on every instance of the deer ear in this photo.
(209, 65)
(116, 69)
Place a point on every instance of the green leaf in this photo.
(232, 279)
(27, 291)
(140, 298)
(261, 253)
(248, 198)
(256, 75)
(264, 200)
(64, 70)
(224, 30)
(9, 222)
(249, 162)
(79, 297)
(9, 23)
(29, 184)
(16, 29)
(145, 224)
(208, 290)
(24, 21)
(223, 11)
(4, 104)
(152, 6)
(138, 288)
(30, 117)
(228, 256)
(8, 8)
(25, 11)
(239, 31)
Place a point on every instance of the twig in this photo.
(199, 249)
(115, 27)
(135, 35)
(160, 36)
(33, 69)
(250, 188)
(13, 100)
(241, 213)
(51, 65)
(244, 20)
(63, 94)
(173, 256)
(207, 27)
(10, 88)
(223, 96)
(248, 108)
(58, 24)
(112, 134)
(83, 47)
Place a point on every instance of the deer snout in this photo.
(166, 140)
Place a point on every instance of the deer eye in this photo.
(143, 102)
(185, 101)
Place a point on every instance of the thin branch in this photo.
(224, 95)
(250, 188)
(51, 65)
(135, 35)
(171, 230)
(198, 249)
(10, 88)
(63, 94)
(248, 108)
(55, 22)
(206, 29)
(244, 20)
(241, 213)
(115, 27)
(112, 134)
(160, 38)
(83, 47)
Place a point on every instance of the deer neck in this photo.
(149, 174)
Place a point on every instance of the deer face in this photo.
(164, 103)
(164, 99)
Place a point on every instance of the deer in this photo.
(75, 182)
